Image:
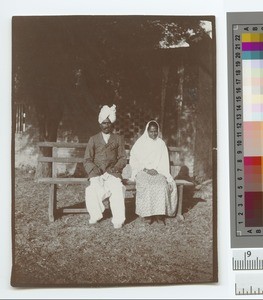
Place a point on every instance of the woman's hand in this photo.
(170, 186)
(151, 172)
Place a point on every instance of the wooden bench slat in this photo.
(50, 180)
(84, 145)
(183, 182)
(130, 185)
(74, 210)
(65, 160)
(80, 160)
(173, 164)
(62, 145)
(174, 149)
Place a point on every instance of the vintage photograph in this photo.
(114, 152)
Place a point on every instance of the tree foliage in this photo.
(59, 62)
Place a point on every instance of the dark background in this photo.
(65, 68)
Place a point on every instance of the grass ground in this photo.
(70, 252)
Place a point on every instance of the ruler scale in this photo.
(247, 260)
(245, 53)
(245, 86)
(249, 284)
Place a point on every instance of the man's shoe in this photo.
(161, 219)
(148, 220)
(117, 226)
(92, 222)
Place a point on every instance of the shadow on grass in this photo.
(129, 210)
(189, 202)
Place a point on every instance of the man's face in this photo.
(106, 126)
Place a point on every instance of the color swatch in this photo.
(252, 84)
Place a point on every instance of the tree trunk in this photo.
(165, 71)
(180, 102)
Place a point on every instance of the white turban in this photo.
(107, 112)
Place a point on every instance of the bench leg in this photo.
(52, 202)
(180, 203)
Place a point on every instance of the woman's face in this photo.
(153, 132)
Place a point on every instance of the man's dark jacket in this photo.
(101, 157)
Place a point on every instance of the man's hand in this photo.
(111, 170)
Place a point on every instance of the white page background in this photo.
(8, 8)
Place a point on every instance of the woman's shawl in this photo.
(150, 154)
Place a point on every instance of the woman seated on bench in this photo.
(156, 192)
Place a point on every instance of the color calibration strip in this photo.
(246, 141)
(252, 85)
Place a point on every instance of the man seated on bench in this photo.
(104, 160)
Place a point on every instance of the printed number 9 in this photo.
(248, 253)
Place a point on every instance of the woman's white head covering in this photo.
(107, 112)
(150, 154)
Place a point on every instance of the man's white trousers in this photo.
(100, 188)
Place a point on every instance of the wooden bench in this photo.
(73, 154)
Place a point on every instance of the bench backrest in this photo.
(73, 153)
